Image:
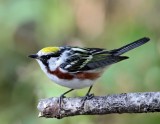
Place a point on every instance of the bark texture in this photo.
(118, 103)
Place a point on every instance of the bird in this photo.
(77, 68)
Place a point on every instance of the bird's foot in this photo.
(87, 97)
(58, 116)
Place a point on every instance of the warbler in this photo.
(76, 67)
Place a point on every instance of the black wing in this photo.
(93, 58)
(102, 60)
(89, 59)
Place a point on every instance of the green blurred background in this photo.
(29, 25)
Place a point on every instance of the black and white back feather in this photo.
(85, 59)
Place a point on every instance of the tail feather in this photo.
(129, 47)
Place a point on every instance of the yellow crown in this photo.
(50, 49)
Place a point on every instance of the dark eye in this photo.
(47, 56)
(44, 59)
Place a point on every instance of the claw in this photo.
(58, 116)
(87, 97)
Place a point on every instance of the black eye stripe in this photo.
(46, 57)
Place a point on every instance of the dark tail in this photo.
(129, 47)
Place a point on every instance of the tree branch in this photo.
(119, 103)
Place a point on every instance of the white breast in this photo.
(74, 83)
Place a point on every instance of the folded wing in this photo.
(90, 59)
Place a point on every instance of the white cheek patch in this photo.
(53, 63)
(56, 61)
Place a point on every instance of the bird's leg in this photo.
(63, 96)
(87, 96)
(60, 102)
